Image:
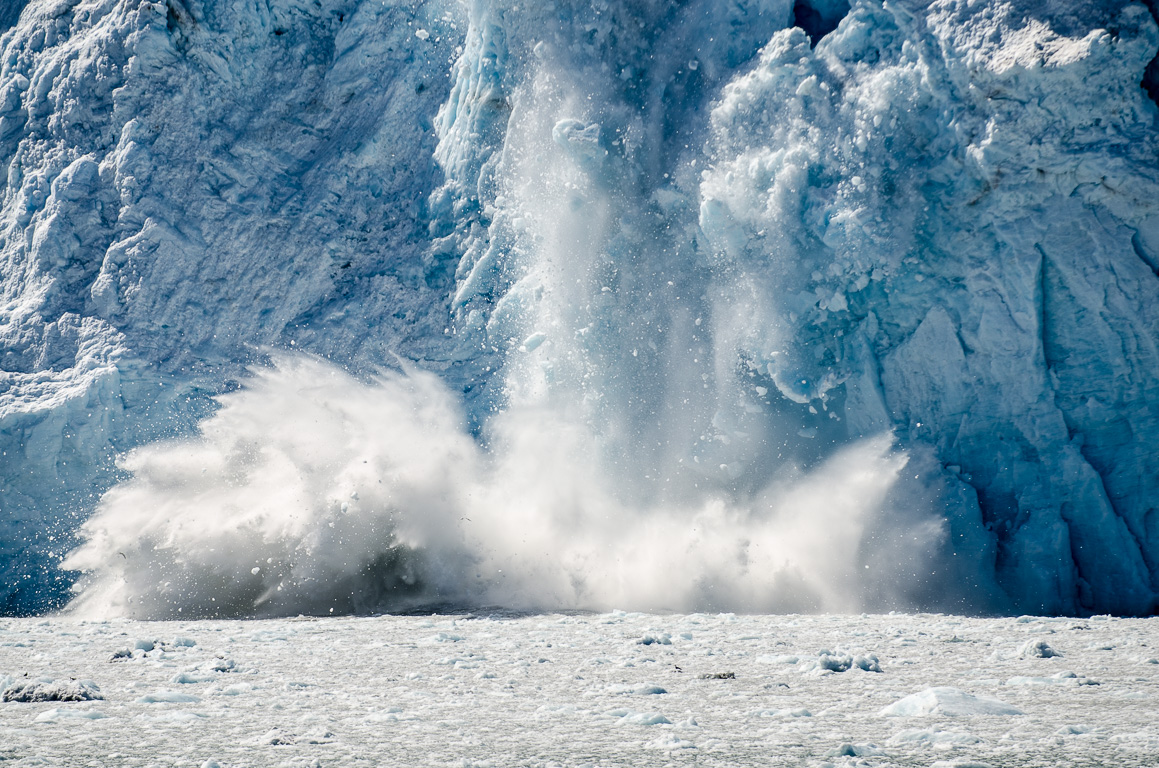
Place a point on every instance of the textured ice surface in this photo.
(710, 248)
(576, 689)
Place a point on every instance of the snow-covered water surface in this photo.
(584, 689)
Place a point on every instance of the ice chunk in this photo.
(46, 689)
(1059, 678)
(56, 715)
(1037, 649)
(951, 702)
(581, 140)
(167, 697)
(798, 712)
(187, 678)
(533, 341)
(631, 717)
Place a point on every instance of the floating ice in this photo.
(1037, 649)
(46, 689)
(168, 697)
(951, 702)
(58, 715)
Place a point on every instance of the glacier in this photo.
(756, 305)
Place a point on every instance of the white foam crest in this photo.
(311, 491)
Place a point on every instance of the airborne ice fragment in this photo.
(533, 341)
(580, 140)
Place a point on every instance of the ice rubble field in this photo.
(585, 689)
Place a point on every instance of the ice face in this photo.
(715, 251)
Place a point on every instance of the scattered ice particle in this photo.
(422, 34)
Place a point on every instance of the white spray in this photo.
(313, 492)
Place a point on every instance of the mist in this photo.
(311, 491)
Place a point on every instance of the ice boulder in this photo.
(35, 691)
(1037, 649)
(951, 702)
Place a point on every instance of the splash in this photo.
(648, 427)
(313, 492)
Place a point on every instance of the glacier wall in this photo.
(714, 259)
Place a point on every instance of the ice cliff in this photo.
(729, 244)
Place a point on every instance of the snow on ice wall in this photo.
(711, 255)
